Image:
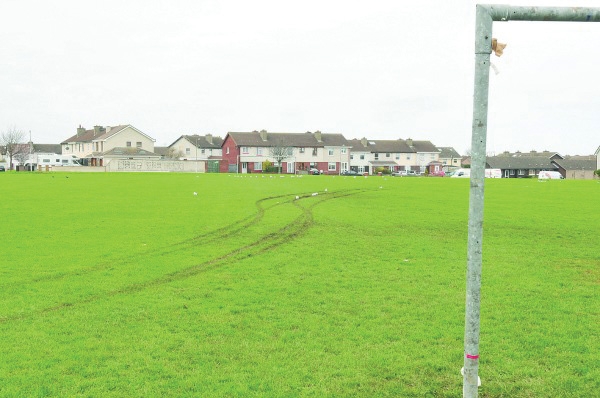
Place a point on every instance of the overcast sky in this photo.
(375, 69)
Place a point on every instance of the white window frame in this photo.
(332, 166)
(330, 152)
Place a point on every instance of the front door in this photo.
(244, 167)
(290, 168)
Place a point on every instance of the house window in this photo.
(259, 152)
(362, 157)
(521, 172)
(314, 152)
(257, 166)
(188, 151)
(138, 144)
(330, 152)
(376, 156)
(408, 157)
(301, 150)
(331, 166)
(351, 156)
(422, 156)
(128, 144)
(344, 150)
(397, 156)
(387, 155)
(512, 172)
(532, 172)
(244, 149)
(202, 151)
(227, 151)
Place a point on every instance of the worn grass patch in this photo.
(129, 285)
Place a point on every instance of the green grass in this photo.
(129, 285)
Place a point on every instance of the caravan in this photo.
(53, 160)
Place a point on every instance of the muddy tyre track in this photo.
(263, 244)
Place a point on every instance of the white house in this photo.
(93, 144)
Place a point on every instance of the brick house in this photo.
(247, 152)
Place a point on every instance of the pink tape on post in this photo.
(472, 356)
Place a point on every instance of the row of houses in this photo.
(252, 152)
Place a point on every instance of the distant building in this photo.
(449, 158)
(521, 166)
(91, 145)
(577, 167)
(247, 152)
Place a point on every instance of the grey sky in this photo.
(378, 69)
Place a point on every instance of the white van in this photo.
(462, 173)
(550, 175)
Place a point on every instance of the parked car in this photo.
(439, 173)
(400, 173)
(2, 168)
(350, 173)
(315, 172)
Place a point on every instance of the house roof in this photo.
(447, 152)
(47, 148)
(576, 164)
(161, 150)
(307, 139)
(520, 162)
(129, 151)
(380, 146)
(376, 163)
(102, 134)
(423, 146)
(207, 141)
(548, 154)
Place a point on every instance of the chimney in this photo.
(80, 131)
(209, 138)
(533, 152)
(409, 142)
(364, 142)
(97, 130)
(318, 136)
(263, 135)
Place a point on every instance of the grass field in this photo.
(129, 285)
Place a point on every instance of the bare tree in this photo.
(279, 152)
(22, 155)
(173, 153)
(11, 140)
